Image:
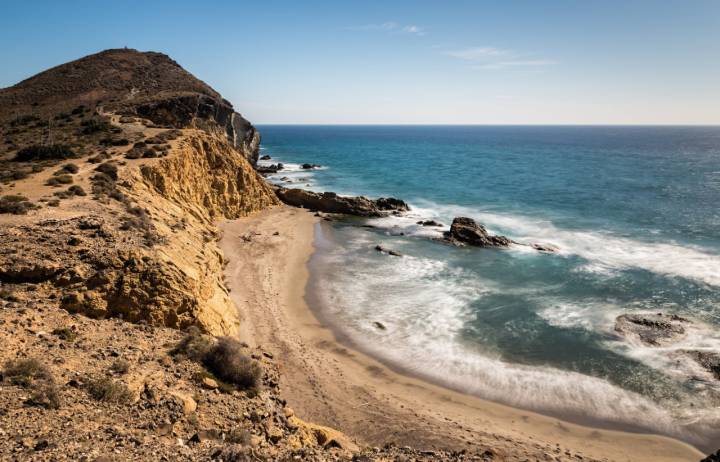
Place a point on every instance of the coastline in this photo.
(329, 383)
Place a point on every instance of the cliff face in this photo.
(163, 155)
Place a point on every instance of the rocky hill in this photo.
(119, 337)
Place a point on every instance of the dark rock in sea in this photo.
(379, 325)
(465, 231)
(267, 169)
(265, 157)
(549, 248)
(714, 457)
(429, 223)
(310, 166)
(329, 202)
(709, 360)
(391, 203)
(652, 329)
(382, 249)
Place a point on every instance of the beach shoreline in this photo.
(329, 383)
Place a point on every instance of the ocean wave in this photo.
(604, 252)
(424, 305)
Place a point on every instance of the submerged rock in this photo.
(429, 223)
(549, 248)
(266, 169)
(329, 202)
(652, 329)
(465, 231)
(310, 166)
(382, 249)
(709, 360)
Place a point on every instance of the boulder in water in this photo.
(429, 223)
(652, 329)
(329, 202)
(464, 231)
(709, 360)
(382, 249)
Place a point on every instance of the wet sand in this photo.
(329, 383)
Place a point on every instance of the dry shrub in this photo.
(120, 366)
(228, 361)
(33, 374)
(194, 346)
(65, 333)
(15, 204)
(110, 391)
(225, 358)
(37, 152)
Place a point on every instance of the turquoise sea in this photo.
(634, 211)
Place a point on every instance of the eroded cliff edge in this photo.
(157, 157)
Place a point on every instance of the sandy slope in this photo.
(328, 383)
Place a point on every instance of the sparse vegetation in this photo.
(95, 125)
(69, 168)
(114, 142)
(8, 295)
(24, 120)
(65, 333)
(16, 204)
(228, 361)
(37, 152)
(76, 190)
(108, 169)
(225, 359)
(108, 390)
(33, 374)
(120, 366)
(96, 159)
(59, 179)
(194, 346)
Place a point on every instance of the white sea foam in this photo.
(603, 251)
(425, 304)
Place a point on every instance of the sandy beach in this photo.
(328, 383)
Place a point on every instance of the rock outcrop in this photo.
(206, 112)
(464, 231)
(652, 329)
(329, 202)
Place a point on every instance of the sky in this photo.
(404, 62)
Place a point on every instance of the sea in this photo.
(634, 212)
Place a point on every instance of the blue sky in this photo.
(451, 62)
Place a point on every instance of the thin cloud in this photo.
(477, 53)
(518, 63)
(413, 29)
(391, 26)
(497, 58)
